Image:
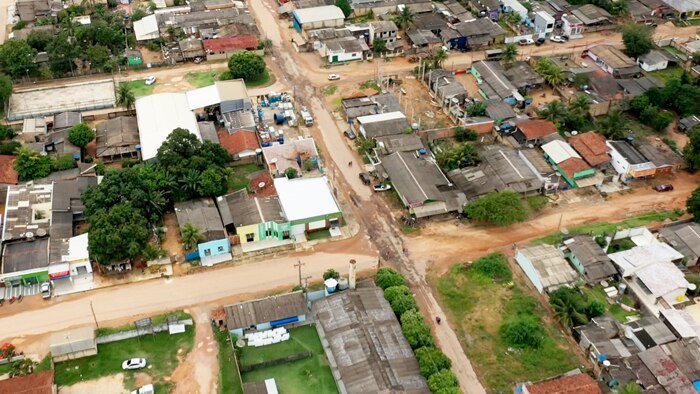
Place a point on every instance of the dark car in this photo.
(349, 133)
(664, 188)
(364, 177)
(539, 41)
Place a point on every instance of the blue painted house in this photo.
(266, 313)
(202, 213)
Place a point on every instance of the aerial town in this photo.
(350, 196)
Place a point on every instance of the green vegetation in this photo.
(637, 40)
(44, 364)
(371, 84)
(573, 307)
(451, 156)
(601, 228)
(597, 293)
(499, 208)
(318, 234)
(667, 74)
(329, 89)
(246, 65)
(261, 80)
(139, 88)
(229, 379)
(239, 175)
(387, 277)
(537, 203)
(693, 204)
(488, 317)
(202, 78)
(494, 266)
(299, 377)
(161, 351)
(158, 319)
(691, 151)
(620, 245)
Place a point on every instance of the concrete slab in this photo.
(70, 97)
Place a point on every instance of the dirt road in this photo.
(4, 18)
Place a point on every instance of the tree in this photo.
(180, 145)
(494, 266)
(39, 39)
(554, 111)
(22, 368)
(581, 80)
(265, 44)
(637, 39)
(63, 162)
(344, 6)
(693, 205)
(7, 133)
(510, 53)
(190, 236)
(138, 14)
(639, 103)
(125, 96)
(9, 148)
(499, 208)
(438, 57)
(29, 164)
(613, 125)
(462, 134)
(550, 72)
(62, 53)
(662, 120)
(580, 105)
(246, 65)
(522, 332)
(5, 89)
(477, 109)
(691, 151)
(569, 306)
(378, 45)
(630, 388)
(431, 361)
(118, 233)
(80, 135)
(331, 273)
(403, 303)
(442, 381)
(405, 18)
(395, 292)
(17, 58)
(457, 156)
(415, 330)
(387, 277)
(291, 173)
(98, 56)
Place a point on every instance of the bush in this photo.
(499, 208)
(246, 65)
(595, 308)
(291, 173)
(522, 333)
(393, 292)
(64, 162)
(7, 133)
(431, 361)
(331, 273)
(415, 330)
(403, 303)
(443, 382)
(462, 134)
(494, 266)
(9, 148)
(537, 203)
(387, 277)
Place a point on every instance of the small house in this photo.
(266, 313)
(684, 9)
(146, 28)
(532, 132)
(593, 17)
(493, 84)
(580, 383)
(572, 26)
(628, 161)
(546, 267)
(242, 145)
(653, 61)
(382, 124)
(202, 213)
(589, 259)
(223, 48)
(685, 238)
(569, 163)
(592, 148)
(344, 49)
(30, 10)
(309, 204)
(685, 124)
(117, 138)
(383, 30)
(191, 48)
(613, 61)
(544, 23)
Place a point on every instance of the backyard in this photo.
(667, 74)
(229, 380)
(239, 178)
(308, 375)
(139, 88)
(620, 314)
(480, 308)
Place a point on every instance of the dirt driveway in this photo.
(113, 384)
(199, 372)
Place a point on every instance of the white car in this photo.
(46, 290)
(526, 41)
(134, 363)
(147, 389)
(381, 188)
(150, 80)
(333, 77)
(557, 39)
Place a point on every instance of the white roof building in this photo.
(308, 203)
(217, 93)
(318, 14)
(632, 260)
(146, 28)
(559, 151)
(681, 322)
(546, 267)
(158, 115)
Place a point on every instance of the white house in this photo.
(345, 49)
(383, 30)
(308, 204)
(653, 61)
(146, 28)
(546, 267)
(658, 285)
(628, 161)
(544, 23)
(571, 26)
(630, 261)
(517, 7)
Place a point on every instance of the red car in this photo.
(664, 188)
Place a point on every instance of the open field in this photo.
(477, 307)
(229, 381)
(202, 78)
(310, 375)
(139, 88)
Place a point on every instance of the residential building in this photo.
(430, 21)
(580, 383)
(653, 61)
(613, 61)
(223, 48)
(34, 383)
(685, 238)
(422, 187)
(546, 267)
(146, 28)
(345, 49)
(667, 373)
(589, 258)
(453, 11)
(65, 120)
(593, 17)
(688, 123)
(58, 143)
(369, 105)
(592, 148)
(665, 160)
(628, 161)
(682, 324)
(215, 246)
(549, 177)
(399, 143)
(423, 40)
(258, 221)
(523, 76)
(605, 335)
(309, 204)
(647, 333)
(382, 124)
(475, 33)
(499, 111)
(241, 144)
(493, 84)
(266, 313)
(117, 138)
(191, 48)
(628, 262)
(532, 132)
(317, 17)
(572, 167)
(690, 47)
(364, 318)
(448, 91)
(544, 23)
(292, 154)
(383, 30)
(8, 174)
(30, 10)
(684, 9)
(572, 26)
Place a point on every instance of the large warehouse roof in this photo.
(318, 14)
(158, 115)
(217, 93)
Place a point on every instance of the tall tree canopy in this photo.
(117, 233)
(500, 208)
(17, 58)
(246, 65)
(637, 39)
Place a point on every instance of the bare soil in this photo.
(172, 243)
(113, 384)
(198, 372)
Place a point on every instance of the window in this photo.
(81, 270)
(250, 237)
(268, 232)
(220, 249)
(285, 234)
(207, 252)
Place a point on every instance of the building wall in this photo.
(227, 54)
(214, 248)
(265, 326)
(575, 262)
(653, 67)
(340, 57)
(317, 25)
(260, 232)
(529, 271)
(619, 163)
(673, 296)
(309, 224)
(360, 11)
(601, 63)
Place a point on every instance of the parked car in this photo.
(150, 80)
(381, 187)
(667, 187)
(540, 41)
(46, 290)
(350, 134)
(147, 389)
(134, 363)
(364, 177)
(526, 41)
(557, 39)
(333, 77)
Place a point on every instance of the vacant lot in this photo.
(202, 78)
(229, 382)
(310, 375)
(478, 306)
(239, 178)
(139, 88)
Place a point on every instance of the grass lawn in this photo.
(639, 129)
(264, 79)
(159, 350)
(239, 179)
(229, 381)
(477, 307)
(667, 74)
(202, 78)
(139, 88)
(614, 309)
(310, 375)
(601, 228)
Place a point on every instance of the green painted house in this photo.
(567, 161)
(308, 203)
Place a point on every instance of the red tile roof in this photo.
(238, 141)
(230, 44)
(573, 165)
(576, 384)
(8, 175)
(268, 189)
(591, 146)
(537, 128)
(36, 383)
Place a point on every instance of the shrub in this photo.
(443, 382)
(64, 162)
(431, 361)
(9, 148)
(595, 308)
(494, 266)
(522, 333)
(415, 330)
(499, 208)
(331, 273)
(387, 277)
(403, 303)
(393, 292)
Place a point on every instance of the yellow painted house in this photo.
(254, 219)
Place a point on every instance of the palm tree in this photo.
(190, 236)
(155, 204)
(190, 182)
(554, 111)
(405, 18)
(510, 53)
(125, 96)
(550, 72)
(630, 388)
(580, 105)
(613, 125)
(438, 57)
(566, 311)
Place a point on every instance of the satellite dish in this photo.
(40, 232)
(261, 185)
(574, 132)
(240, 343)
(606, 363)
(692, 286)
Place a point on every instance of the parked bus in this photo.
(493, 54)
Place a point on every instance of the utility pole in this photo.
(299, 264)
(93, 315)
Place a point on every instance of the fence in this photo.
(277, 361)
(120, 336)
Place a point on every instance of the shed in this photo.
(589, 259)
(66, 120)
(69, 345)
(317, 17)
(685, 238)
(546, 267)
(688, 123)
(382, 124)
(146, 28)
(117, 138)
(653, 61)
(266, 313)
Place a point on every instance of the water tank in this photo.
(422, 151)
(415, 126)
(342, 284)
(331, 285)
(622, 287)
